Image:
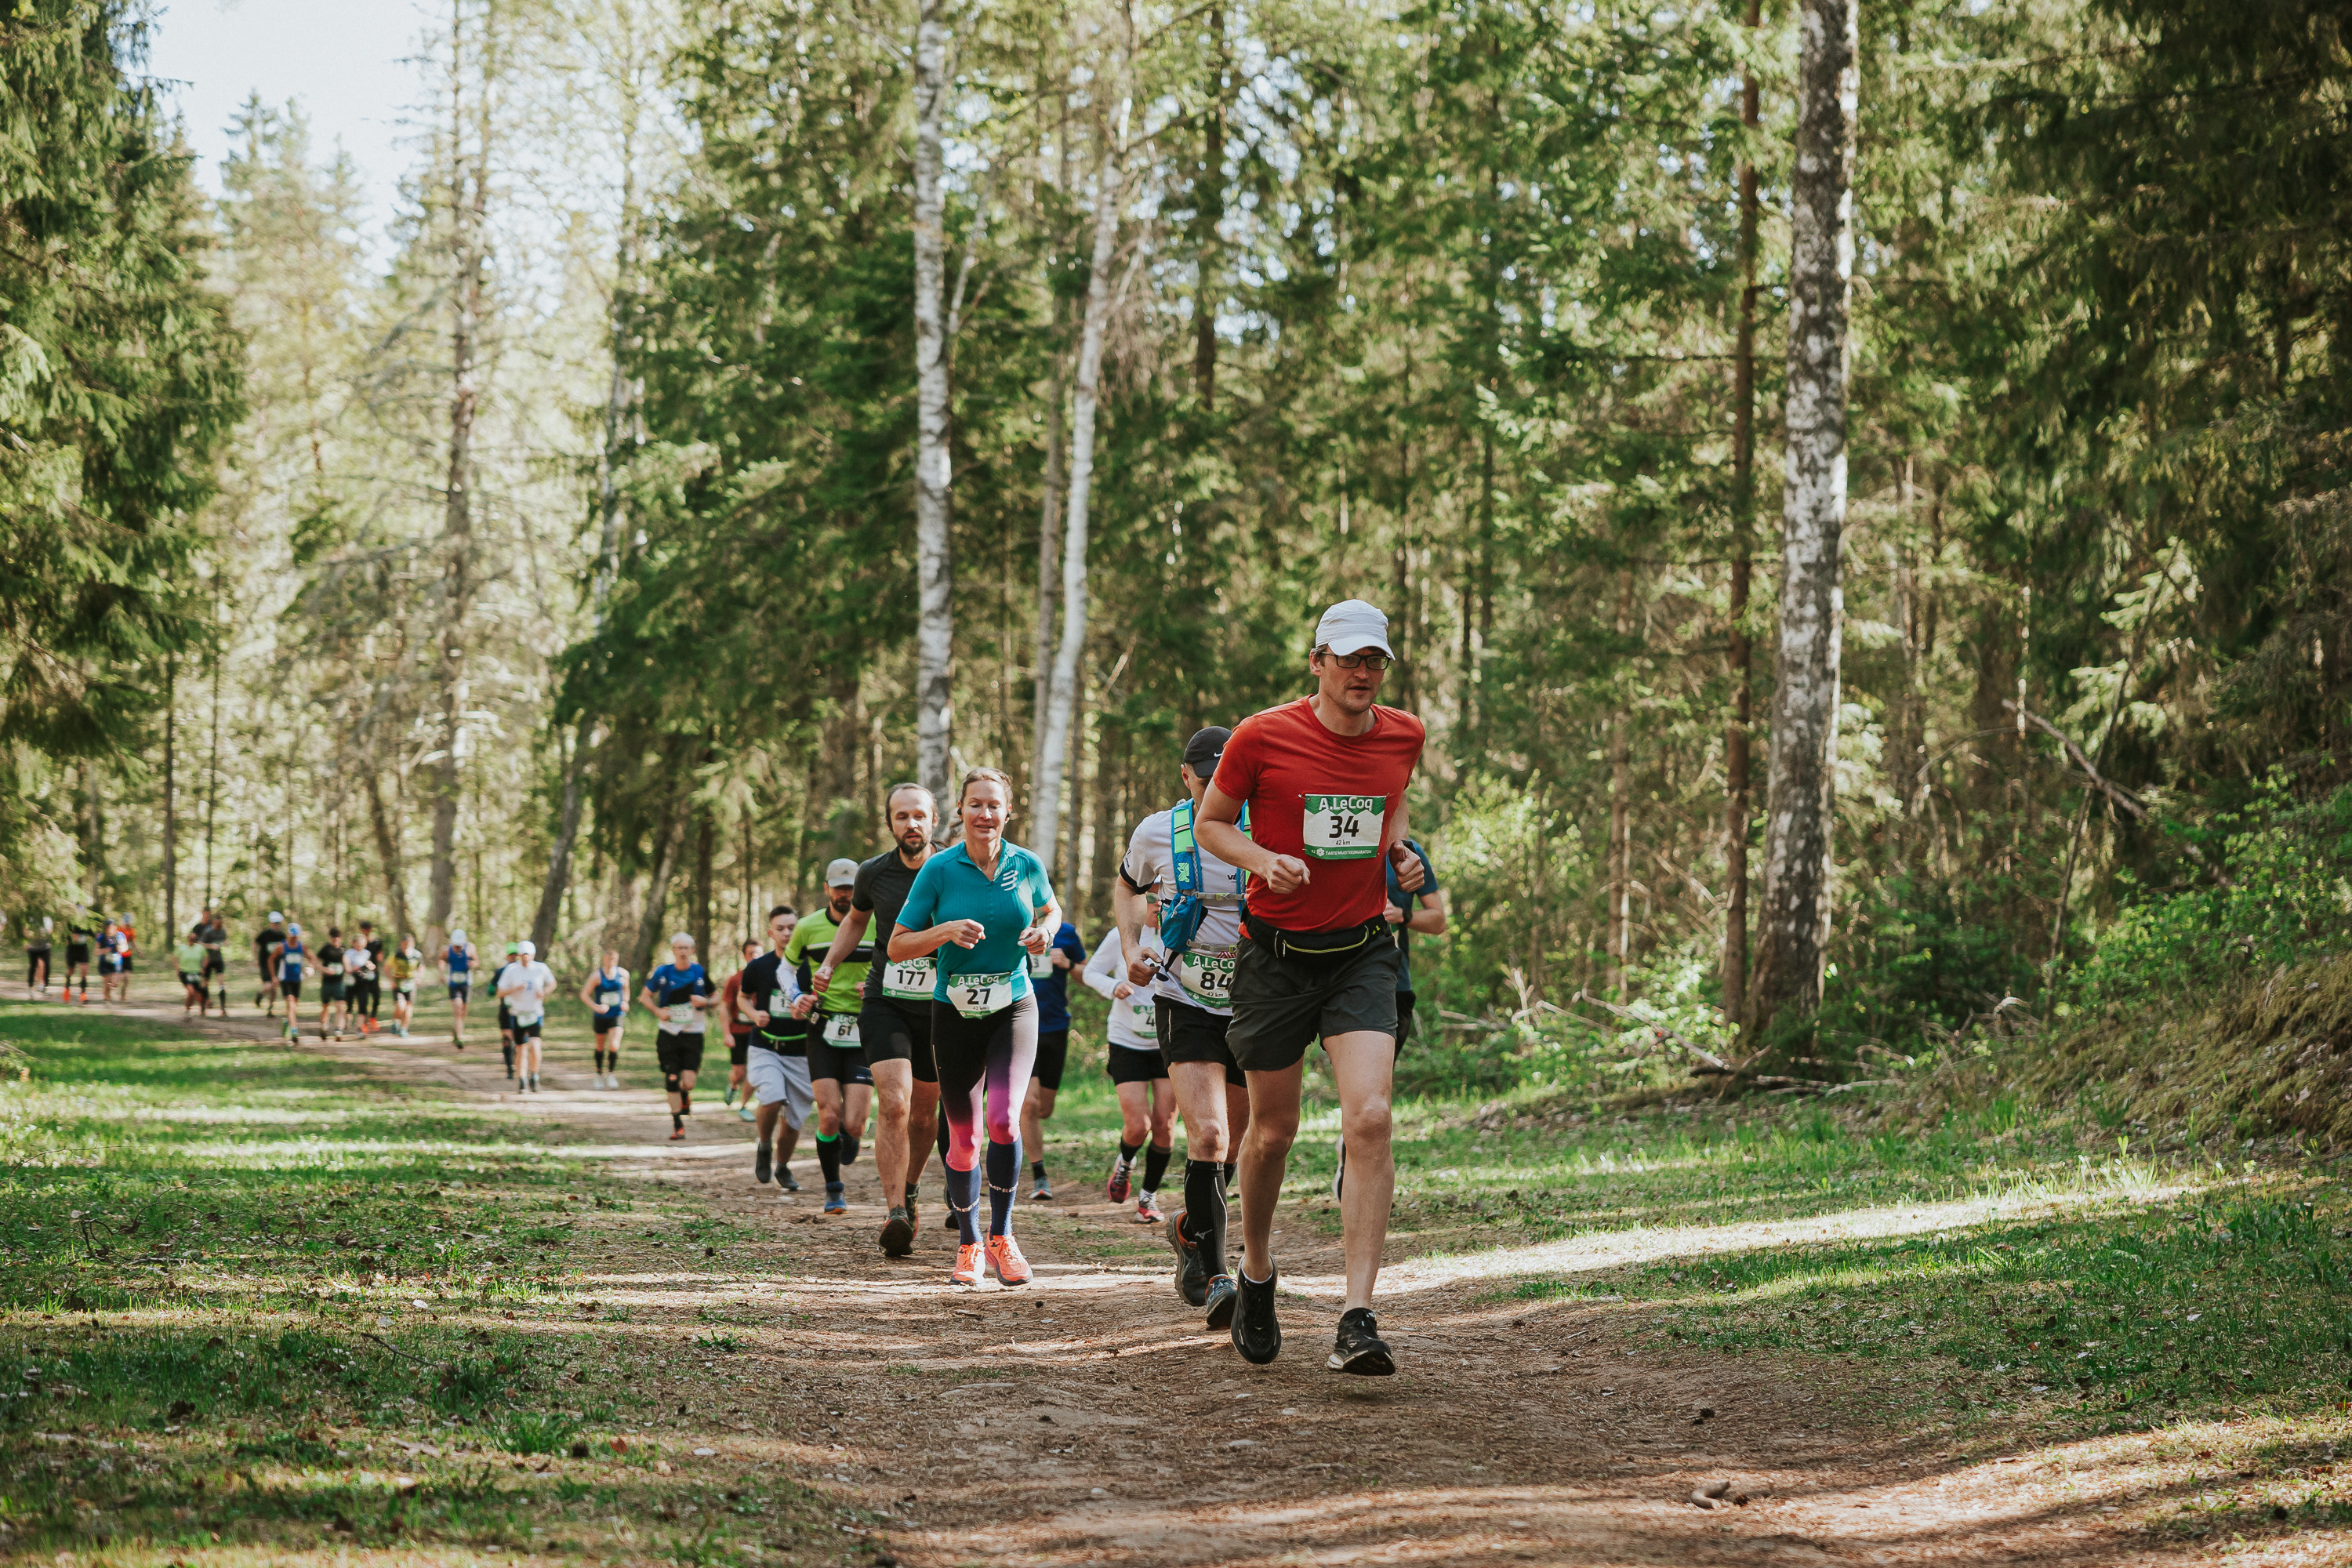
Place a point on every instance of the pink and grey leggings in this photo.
(985, 1066)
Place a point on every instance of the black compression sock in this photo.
(1038, 1168)
(1003, 1165)
(849, 1148)
(1204, 1212)
(1155, 1167)
(676, 1121)
(1127, 1152)
(686, 1100)
(828, 1156)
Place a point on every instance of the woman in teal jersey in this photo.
(982, 907)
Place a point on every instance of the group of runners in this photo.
(112, 941)
(1262, 912)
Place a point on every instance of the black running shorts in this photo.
(738, 1048)
(1052, 1056)
(75, 955)
(677, 1052)
(330, 988)
(1190, 1033)
(1128, 1065)
(607, 1022)
(843, 1065)
(1281, 1006)
(896, 1031)
(290, 989)
(527, 1031)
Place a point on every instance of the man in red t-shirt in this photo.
(1324, 779)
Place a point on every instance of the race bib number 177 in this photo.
(1344, 826)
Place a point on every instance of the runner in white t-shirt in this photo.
(1194, 889)
(524, 986)
(1146, 1105)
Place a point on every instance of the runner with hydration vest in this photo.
(1200, 899)
(975, 908)
(1323, 780)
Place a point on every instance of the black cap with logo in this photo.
(1202, 752)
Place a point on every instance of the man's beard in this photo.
(912, 843)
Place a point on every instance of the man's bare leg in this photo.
(1265, 1156)
(1363, 1067)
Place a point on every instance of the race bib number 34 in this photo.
(909, 979)
(1344, 826)
(978, 995)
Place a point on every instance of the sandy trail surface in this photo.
(1088, 1418)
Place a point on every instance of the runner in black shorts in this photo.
(894, 1020)
(841, 1081)
(605, 994)
(732, 1013)
(212, 936)
(1200, 899)
(1050, 972)
(81, 937)
(975, 908)
(1323, 780)
(36, 957)
(267, 943)
(1147, 1104)
(681, 994)
(770, 995)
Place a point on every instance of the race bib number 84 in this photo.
(1208, 975)
(1344, 826)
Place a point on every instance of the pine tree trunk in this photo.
(171, 806)
(935, 627)
(1795, 921)
(1209, 202)
(1053, 756)
(617, 398)
(1740, 650)
(467, 196)
(387, 856)
(705, 844)
(667, 833)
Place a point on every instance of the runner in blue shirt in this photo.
(982, 907)
(290, 957)
(458, 965)
(679, 994)
(1050, 972)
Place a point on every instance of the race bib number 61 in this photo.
(1344, 826)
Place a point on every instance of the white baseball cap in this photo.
(1352, 625)
(842, 873)
(457, 936)
(275, 917)
(528, 949)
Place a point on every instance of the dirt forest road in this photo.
(1086, 1419)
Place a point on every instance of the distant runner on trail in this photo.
(1050, 972)
(36, 958)
(458, 965)
(1138, 1076)
(605, 994)
(739, 1034)
(81, 937)
(506, 1017)
(267, 943)
(406, 962)
(679, 994)
(836, 1058)
(524, 987)
(779, 1066)
(332, 987)
(1200, 900)
(975, 908)
(212, 936)
(188, 956)
(291, 955)
(1324, 781)
(367, 979)
(894, 1018)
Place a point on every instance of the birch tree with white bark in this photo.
(934, 566)
(1795, 923)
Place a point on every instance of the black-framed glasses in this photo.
(1375, 662)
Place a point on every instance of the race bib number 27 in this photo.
(978, 995)
(1344, 826)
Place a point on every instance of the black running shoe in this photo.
(784, 1179)
(1255, 1333)
(1221, 1302)
(1191, 1274)
(898, 1235)
(849, 1148)
(1360, 1349)
(763, 1165)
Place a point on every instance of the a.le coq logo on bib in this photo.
(1344, 826)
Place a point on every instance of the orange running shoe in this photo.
(967, 1266)
(1012, 1268)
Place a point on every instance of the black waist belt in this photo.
(1318, 946)
(777, 1043)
